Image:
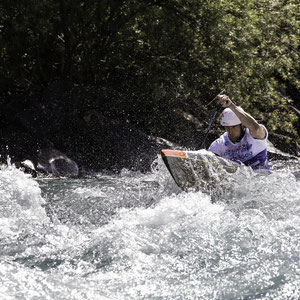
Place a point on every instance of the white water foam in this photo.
(187, 248)
(20, 200)
(182, 246)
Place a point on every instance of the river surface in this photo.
(137, 236)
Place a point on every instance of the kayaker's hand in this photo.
(224, 100)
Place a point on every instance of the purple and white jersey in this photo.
(250, 151)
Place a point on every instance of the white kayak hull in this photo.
(198, 169)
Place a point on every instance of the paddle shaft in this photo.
(218, 110)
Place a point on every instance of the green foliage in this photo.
(160, 56)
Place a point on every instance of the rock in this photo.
(27, 166)
(52, 161)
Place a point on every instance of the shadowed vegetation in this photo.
(153, 63)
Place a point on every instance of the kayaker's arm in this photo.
(256, 130)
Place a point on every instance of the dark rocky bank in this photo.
(96, 137)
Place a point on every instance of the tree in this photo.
(156, 59)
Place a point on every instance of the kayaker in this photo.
(245, 140)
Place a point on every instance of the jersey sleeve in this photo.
(267, 134)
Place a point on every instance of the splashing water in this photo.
(137, 236)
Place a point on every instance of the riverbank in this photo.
(100, 134)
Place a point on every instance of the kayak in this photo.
(190, 169)
(199, 170)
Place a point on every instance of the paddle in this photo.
(218, 110)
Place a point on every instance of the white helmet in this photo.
(229, 118)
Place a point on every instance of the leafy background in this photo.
(152, 64)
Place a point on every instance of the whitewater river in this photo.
(137, 236)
